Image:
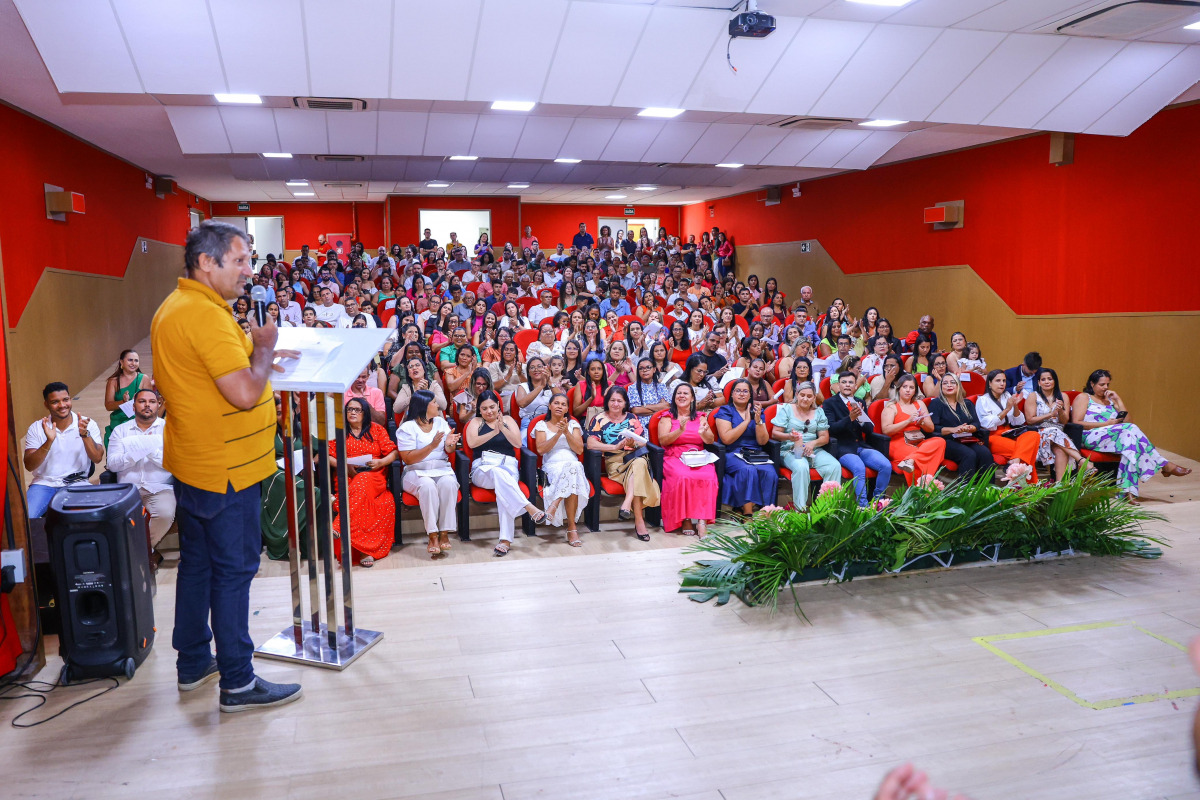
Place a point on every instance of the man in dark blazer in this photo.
(1020, 377)
(850, 427)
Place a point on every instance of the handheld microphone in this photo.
(258, 300)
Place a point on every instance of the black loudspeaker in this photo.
(97, 538)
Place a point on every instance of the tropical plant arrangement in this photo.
(754, 558)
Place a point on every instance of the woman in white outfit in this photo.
(560, 443)
(494, 439)
(425, 443)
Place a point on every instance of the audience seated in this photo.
(1046, 410)
(804, 430)
(119, 390)
(372, 506)
(559, 441)
(750, 477)
(954, 419)
(850, 430)
(1001, 416)
(621, 438)
(425, 444)
(135, 453)
(61, 448)
(906, 421)
(689, 483)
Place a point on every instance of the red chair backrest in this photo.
(386, 314)
(524, 339)
(779, 384)
(769, 416)
(626, 319)
(631, 297)
(875, 414)
(653, 426)
(740, 321)
(473, 287)
(726, 391)
(825, 386)
(299, 300)
(527, 303)
(789, 319)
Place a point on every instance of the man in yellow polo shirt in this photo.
(219, 443)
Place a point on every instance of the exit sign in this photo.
(629, 212)
(243, 206)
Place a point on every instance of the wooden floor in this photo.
(588, 676)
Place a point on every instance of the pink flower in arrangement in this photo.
(769, 509)
(927, 481)
(1017, 471)
(883, 503)
(828, 486)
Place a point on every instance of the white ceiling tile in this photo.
(855, 12)
(940, 139)
(1005, 68)
(492, 171)
(543, 137)
(248, 66)
(1015, 15)
(754, 147)
(886, 55)
(449, 134)
(173, 45)
(199, 129)
(588, 138)
(940, 13)
(339, 68)
(1126, 71)
(301, 131)
(871, 149)
(719, 88)
(419, 73)
(818, 53)
(675, 141)
(715, 144)
(834, 147)
(518, 73)
(352, 132)
(496, 135)
(941, 68)
(631, 139)
(1146, 100)
(583, 74)
(794, 147)
(659, 74)
(250, 129)
(421, 169)
(1061, 74)
(401, 133)
(81, 45)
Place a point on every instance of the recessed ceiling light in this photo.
(518, 186)
(437, 185)
(304, 194)
(615, 196)
(464, 158)
(513, 105)
(665, 113)
(567, 160)
(731, 165)
(646, 188)
(296, 183)
(246, 99)
(883, 123)
(893, 3)
(1195, 26)
(277, 155)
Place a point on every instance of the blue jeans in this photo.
(219, 546)
(859, 462)
(38, 498)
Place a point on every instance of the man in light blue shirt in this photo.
(615, 301)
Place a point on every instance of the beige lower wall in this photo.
(1142, 351)
(76, 324)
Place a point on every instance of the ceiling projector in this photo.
(751, 24)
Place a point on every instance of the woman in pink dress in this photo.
(689, 492)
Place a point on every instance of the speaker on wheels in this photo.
(97, 538)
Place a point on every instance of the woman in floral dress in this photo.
(1046, 410)
(1101, 413)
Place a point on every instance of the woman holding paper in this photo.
(425, 443)
(689, 477)
(804, 430)
(369, 450)
(621, 438)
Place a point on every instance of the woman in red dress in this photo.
(372, 507)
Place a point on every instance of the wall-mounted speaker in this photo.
(773, 195)
(163, 186)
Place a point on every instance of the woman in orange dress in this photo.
(907, 421)
(372, 507)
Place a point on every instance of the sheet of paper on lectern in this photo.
(330, 358)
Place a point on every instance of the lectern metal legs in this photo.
(313, 641)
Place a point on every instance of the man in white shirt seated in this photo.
(350, 304)
(474, 274)
(306, 263)
(771, 327)
(551, 275)
(289, 312)
(829, 367)
(559, 256)
(545, 310)
(60, 448)
(135, 453)
(330, 312)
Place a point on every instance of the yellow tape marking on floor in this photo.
(986, 642)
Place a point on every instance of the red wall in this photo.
(1105, 234)
(303, 221)
(119, 208)
(559, 222)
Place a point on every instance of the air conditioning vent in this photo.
(339, 159)
(606, 188)
(808, 123)
(1129, 19)
(342, 185)
(330, 103)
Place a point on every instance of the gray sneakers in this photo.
(264, 695)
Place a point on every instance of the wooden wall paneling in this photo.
(1139, 349)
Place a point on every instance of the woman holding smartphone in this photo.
(906, 421)
(1102, 414)
(1046, 410)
